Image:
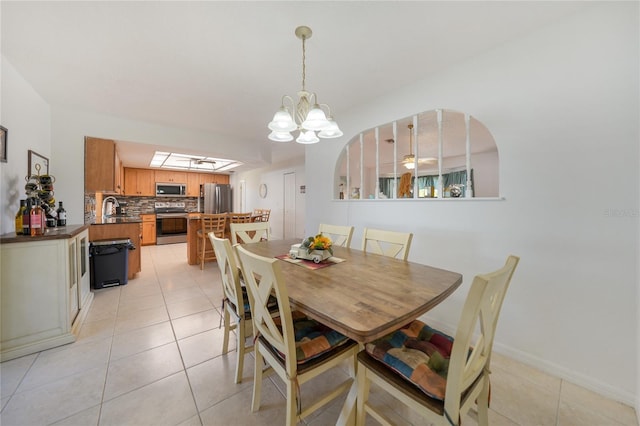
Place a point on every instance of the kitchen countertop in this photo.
(59, 233)
(117, 219)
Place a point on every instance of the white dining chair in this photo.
(340, 235)
(243, 233)
(439, 377)
(294, 346)
(387, 243)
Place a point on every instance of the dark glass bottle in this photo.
(26, 228)
(62, 215)
(19, 216)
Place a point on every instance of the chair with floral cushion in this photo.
(295, 347)
(340, 235)
(387, 243)
(435, 375)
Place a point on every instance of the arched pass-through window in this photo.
(432, 155)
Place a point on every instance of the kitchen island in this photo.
(46, 289)
(117, 228)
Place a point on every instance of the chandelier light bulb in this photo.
(307, 137)
(316, 119)
(282, 121)
(331, 131)
(280, 136)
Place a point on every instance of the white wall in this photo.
(27, 118)
(273, 177)
(562, 104)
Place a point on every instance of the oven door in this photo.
(171, 228)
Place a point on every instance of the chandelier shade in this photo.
(305, 116)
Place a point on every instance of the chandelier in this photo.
(308, 117)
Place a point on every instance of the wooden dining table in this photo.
(365, 296)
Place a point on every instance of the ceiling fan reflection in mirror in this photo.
(409, 160)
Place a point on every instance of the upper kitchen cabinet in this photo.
(221, 178)
(170, 176)
(193, 184)
(102, 166)
(139, 182)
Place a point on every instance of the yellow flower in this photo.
(319, 242)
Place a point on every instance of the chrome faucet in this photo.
(104, 205)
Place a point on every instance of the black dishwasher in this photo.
(109, 262)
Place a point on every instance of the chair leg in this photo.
(257, 378)
(227, 330)
(363, 394)
(204, 248)
(482, 403)
(240, 351)
(292, 405)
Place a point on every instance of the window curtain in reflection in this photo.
(386, 186)
(426, 184)
(457, 178)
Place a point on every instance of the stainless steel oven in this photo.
(171, 223)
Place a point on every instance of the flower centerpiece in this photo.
(316, 248)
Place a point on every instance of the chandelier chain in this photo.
(304, 67)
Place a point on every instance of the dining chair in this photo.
(340, 235)
(261, 215)
(387, 243)
(235, 302)
(243, 233)
(438, 376)
(239, 217)
(209, 223)
(295, 347)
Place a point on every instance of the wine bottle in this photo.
(19, 215)
(62, 215)
(26, 228)
(35, 220)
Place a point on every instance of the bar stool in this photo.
(209, 223)
(261, 215)
(239, 217)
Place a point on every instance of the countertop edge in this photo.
(60, 233)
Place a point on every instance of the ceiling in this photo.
(222, 67)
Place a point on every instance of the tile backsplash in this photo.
(135, 205)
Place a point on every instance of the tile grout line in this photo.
(106, 373)
(173, 331)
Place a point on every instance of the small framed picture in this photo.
(3, 144)
(38, 165)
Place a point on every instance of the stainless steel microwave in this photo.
(171, 189)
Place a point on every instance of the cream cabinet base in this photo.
(40, 282)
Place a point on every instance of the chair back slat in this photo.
(476, 330)
(340, 235)
(213, 223)
(229, 272)
(244, 233)
(261, 215)
(387, 243)
(263, 278)
(239, 217)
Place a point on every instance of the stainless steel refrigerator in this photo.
(215, 198)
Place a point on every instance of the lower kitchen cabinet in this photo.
(46, 290)
(148, 229)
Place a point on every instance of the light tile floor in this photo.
(149, 353)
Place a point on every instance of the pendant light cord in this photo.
(304, 67)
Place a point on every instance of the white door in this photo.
(289, 205)
(242, 198)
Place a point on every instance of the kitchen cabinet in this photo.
(148, 229)
(139, 182)
(222, 178)
(102, 166)
(193, 184)
(46, 290)
(170, 176)
(118, 231)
